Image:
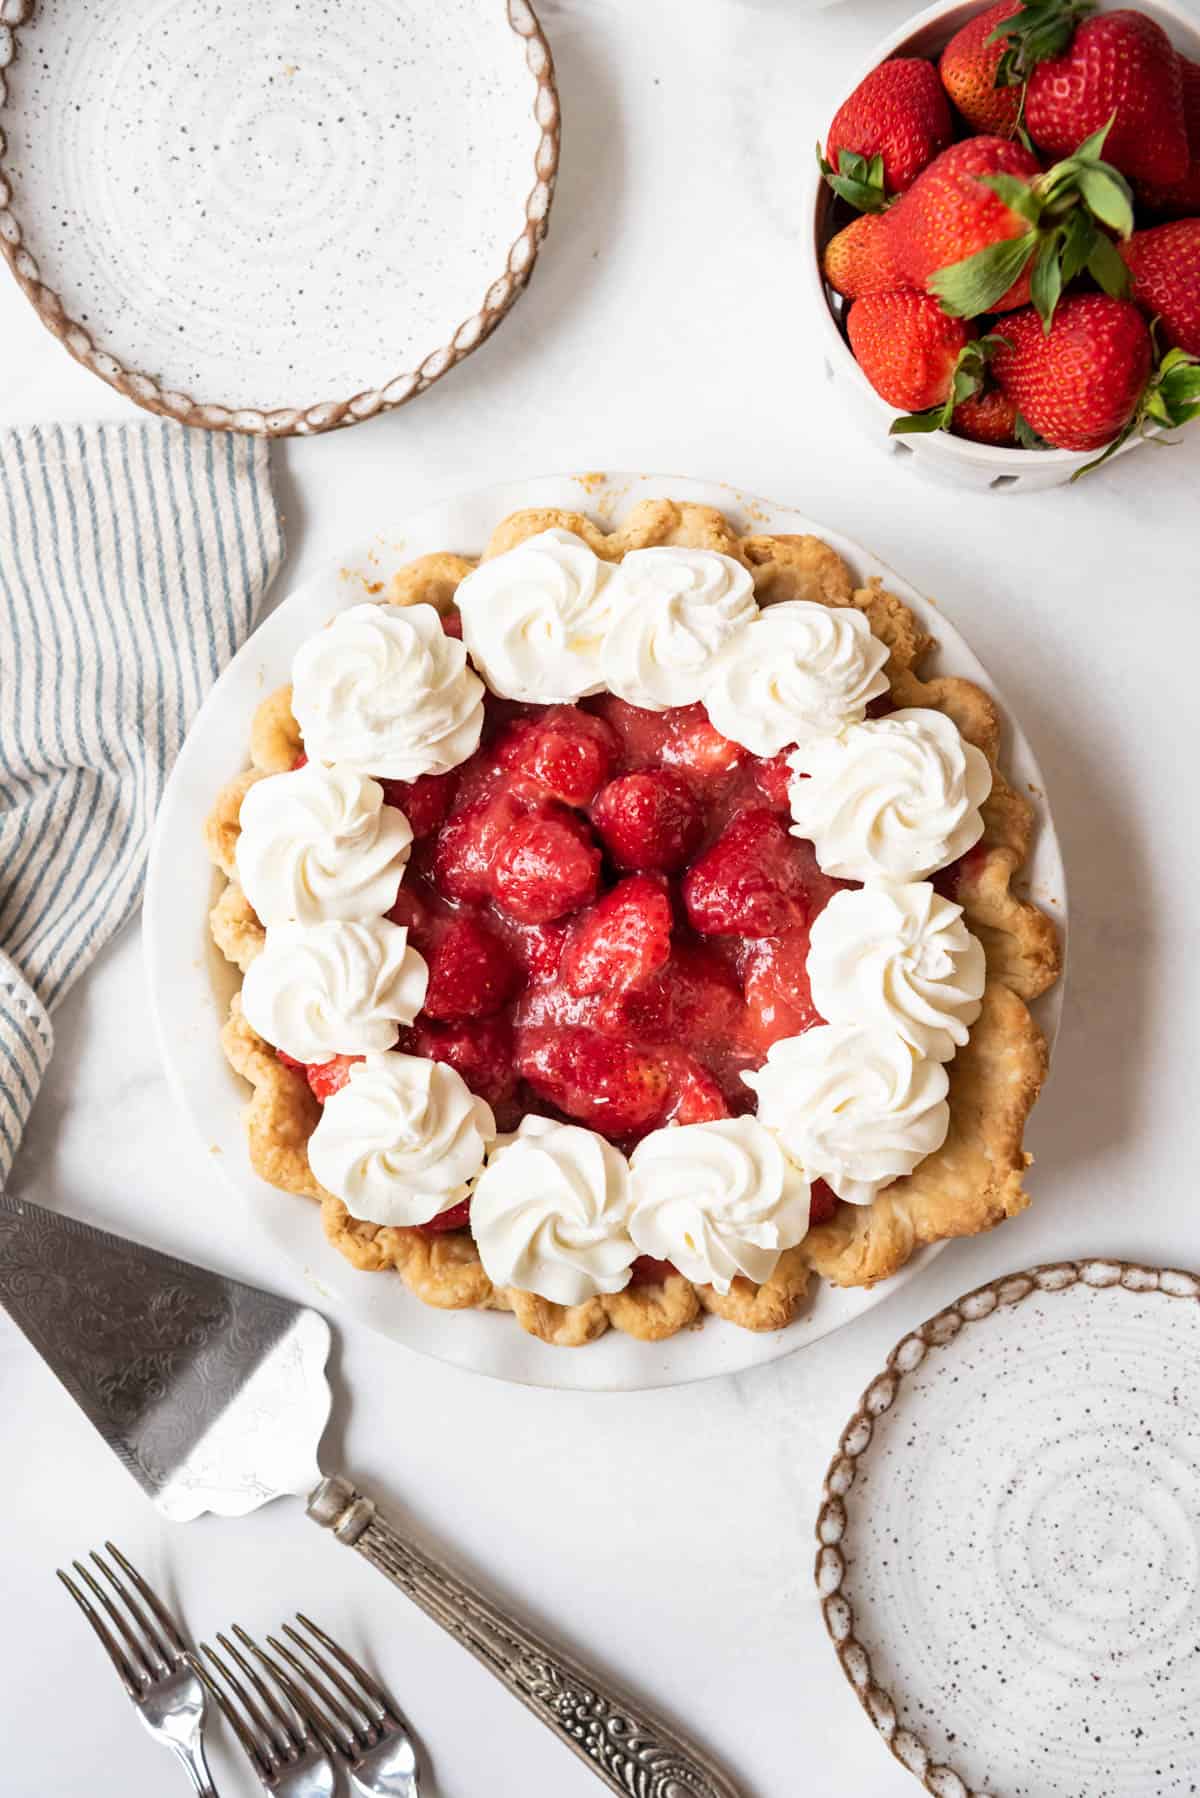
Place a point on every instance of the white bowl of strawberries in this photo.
(1007, 236)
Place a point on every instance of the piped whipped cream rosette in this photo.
(894, 798)
(320, 843)
(383, 689)
(899, 956)
(536, 617)
(799, 670)
(677, 611)
(717, 1199)
(549, 1213)
(853, 1105)
(334, 988)
(402, 1140)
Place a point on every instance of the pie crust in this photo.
(968, 1185)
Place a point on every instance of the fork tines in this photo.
(146, 1643)
(301, 1708)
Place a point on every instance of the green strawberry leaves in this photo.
(1171, 400)
(857, 179)
(1068, 211)
(1027, 437)
(970, 375)
(1040, 31)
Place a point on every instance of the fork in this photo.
(344, 1716)
(151, 1659)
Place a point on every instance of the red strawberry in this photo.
(646, 1271)
(773, 777)
(650, 820)
(328, 1077)
(604, 1084)
(824, 1203)
(539, 947)
(481, 1050)
(751, 882)
(694, 1001)
(1118, 63)
(949, 214)
(697, 1096)
(546, 865)
(457, 1218)
(900, 115)
(466, 848)
(778, 995)
(301, 761)
(1165, 265)
(567, 751)
(695, 745)
(858, 259)
(622, 940)
(1181, 199)
(425, 801)
(988, 417)
(410, 911)
(907, 347)
(969, 66)
(471, 973)
(1079, 385)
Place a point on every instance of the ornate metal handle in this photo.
(625, 1746)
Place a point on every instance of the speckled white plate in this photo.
(1010, 1559)
(190, 983)
(273, 215)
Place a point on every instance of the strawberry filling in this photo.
(615, 917)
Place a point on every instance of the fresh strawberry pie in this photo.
(606, 911)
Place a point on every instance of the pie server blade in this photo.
(213, 1395)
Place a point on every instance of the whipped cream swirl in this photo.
(535, 618)
(318, 990)
(320, 843)
(899, 956)
(402, 1140)
(892, 799)
(549, 1213)
(677, 610)
(852, 1105)
(384, 690)
(800, 670)
(717, 1199)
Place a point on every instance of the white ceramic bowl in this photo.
(947, 458)
(190, 983)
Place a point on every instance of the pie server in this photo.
(213, 1395)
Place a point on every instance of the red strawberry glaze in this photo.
(614, 914)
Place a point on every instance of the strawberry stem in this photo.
(1039, 32)
(857, 179)
(969, 378)
(1170, 401)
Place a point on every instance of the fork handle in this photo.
(625, 1746)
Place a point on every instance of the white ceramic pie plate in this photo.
(1010, 1559)
(190, 983)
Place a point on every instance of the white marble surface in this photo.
(668, 1535)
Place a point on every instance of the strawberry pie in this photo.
(626, 930)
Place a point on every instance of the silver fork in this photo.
(151, 1659)
(281, 1741)
(342, 1708)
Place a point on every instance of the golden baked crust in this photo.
(970, 1184)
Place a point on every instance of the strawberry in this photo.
(413, 913)
(481, 1050)
(694, 744)
(985, 231)
(546, 865)
(824, 1203)
(1119, 66)
(328, 1077)
(425, 801)
(987, 417)
(693, 1001)
(751, 882)
(1079, 384)
(778, 995)
(466, 847)
(622, 940)
(471, 973)
(1165, 265)
(646, 1271)
(697, 1096)
(604, 1084)
(858, 259)
(566, 751)
(1181, 199)
(906, 346)
(884, 134)
(969, 66)
(650, 820)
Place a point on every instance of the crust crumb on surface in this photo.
(969, 1185)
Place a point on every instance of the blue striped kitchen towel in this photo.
(133, 561)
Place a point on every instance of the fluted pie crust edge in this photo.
(970, 1184)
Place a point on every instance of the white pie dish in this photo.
(190, 984)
